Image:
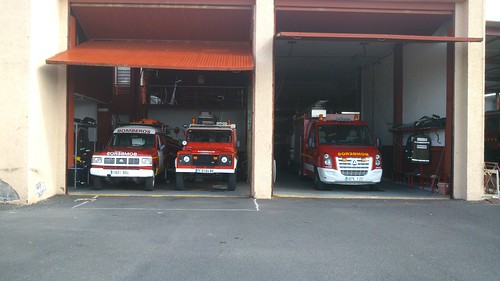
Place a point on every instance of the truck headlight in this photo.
(328, 159)
(97, 160)
(225, 160)
(186, 159)
(378, 160)
(147, 161)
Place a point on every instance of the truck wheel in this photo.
(317, 182)
(231, 184)
(179, 181)
(150, 183)
(98, 183)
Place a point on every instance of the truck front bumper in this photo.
(335, 177)
(205, 171)
(121, 173)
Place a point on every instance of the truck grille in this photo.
(121, 161)
(204, 160)
(354, 166)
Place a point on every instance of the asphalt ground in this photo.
(174, 238)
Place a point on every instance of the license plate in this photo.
(204, 171)
(353, 178)
(118, 173)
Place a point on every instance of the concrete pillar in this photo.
(263, 100)
(468, 143)
(33, 101)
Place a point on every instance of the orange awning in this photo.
(220, 56)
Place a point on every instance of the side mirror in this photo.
(310, 143)
(378, 142)
(237, 144)
(162, 147)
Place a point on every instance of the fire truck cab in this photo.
(140, 152)
(336, 149)
(209, 150)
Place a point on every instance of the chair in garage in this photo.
(491, 176)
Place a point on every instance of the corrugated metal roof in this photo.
(219, 56)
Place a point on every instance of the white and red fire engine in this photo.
(336, 149)
(209, 149)
(140, 152)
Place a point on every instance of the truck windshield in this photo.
(344, 135)
(133, 140)
(222, 136)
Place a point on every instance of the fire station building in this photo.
(256, 62)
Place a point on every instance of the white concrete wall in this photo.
(33, 100)
(468, 141)
(263, 101)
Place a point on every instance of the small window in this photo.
(122, 76)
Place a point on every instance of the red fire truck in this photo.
(140, 152)
(336, 149)
(209, 150)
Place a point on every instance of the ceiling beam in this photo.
(375, 37)
(493, 61)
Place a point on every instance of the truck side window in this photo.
(161, 141)
(311, 139)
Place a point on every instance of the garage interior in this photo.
(352, 56)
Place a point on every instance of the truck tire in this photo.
(317, 181)
(149, 183)
(179, 181)
(231, 183)
(98, 183)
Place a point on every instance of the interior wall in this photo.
(94, 82)
(377, 98)
(86, 108)
(424, 84)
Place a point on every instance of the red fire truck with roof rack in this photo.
(140, 152)
(335, 149)
(209, 150)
